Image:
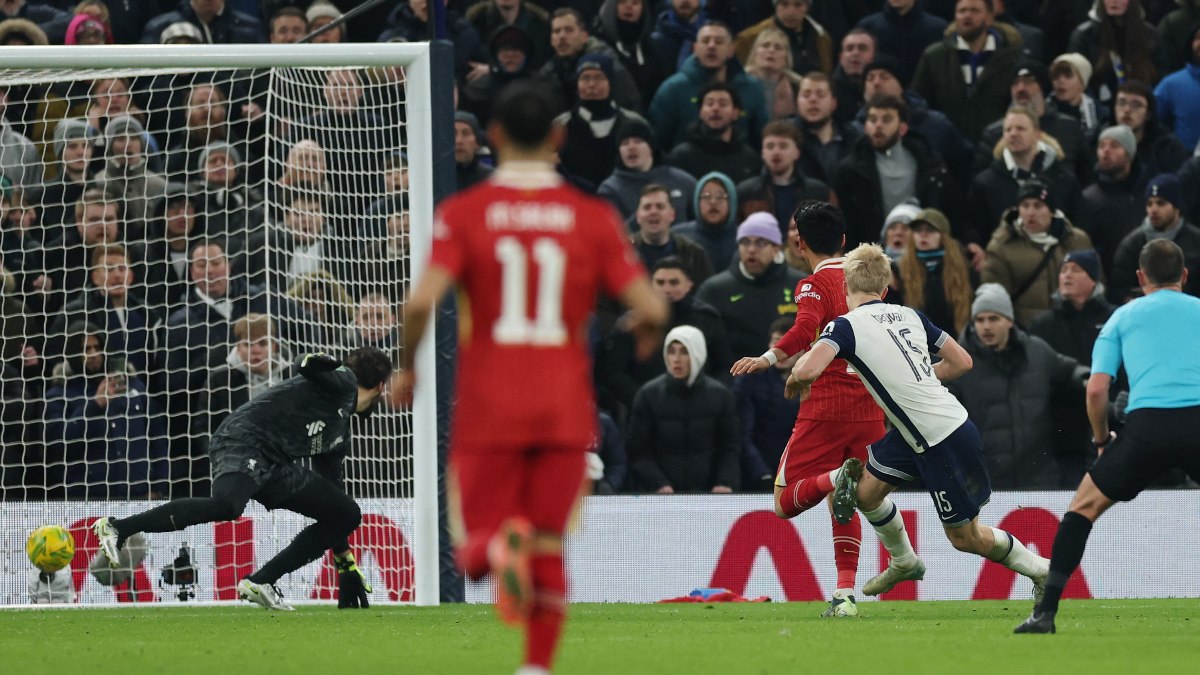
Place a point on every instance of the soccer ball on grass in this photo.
(50, 548)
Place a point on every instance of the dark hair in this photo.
(990, 4)
(1138, 88)
(525, 110)
(370, 366)
(1161, 260)
(672, 262)
(859, 30)
(783, 129)
(821, 225)
(571, 11)
(1129, 41)
(884, 102)
(286, 11)
(654, 187)
(718, 24)
(719, 86)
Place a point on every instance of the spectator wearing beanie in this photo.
(1115, 203)
(1008, 393)
(468, 141)
(1069, 75)
(1164, 220)
(1079, 310)
(904, 29)
(533, 21)
(321, 14)
(572, 43)
(510, 53)
(50, 21)
(127, 174)
(639, 163)
(56, 199)
(1027, 249)
(756, 289)
(934, 274)
(590, 150)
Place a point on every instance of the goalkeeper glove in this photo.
(352, 585)
(320, 362)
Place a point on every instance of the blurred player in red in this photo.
(530, 254)
(840, 419)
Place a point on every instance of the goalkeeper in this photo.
(254, 455)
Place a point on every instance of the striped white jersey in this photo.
(889, 346)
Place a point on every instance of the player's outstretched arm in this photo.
(647, 315)
(753, 364)
(807, 370)
(955, 361)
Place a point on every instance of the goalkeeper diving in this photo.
(254, 455)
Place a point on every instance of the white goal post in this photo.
(305, 173)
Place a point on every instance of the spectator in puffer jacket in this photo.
(1008, 393)
(683, 429)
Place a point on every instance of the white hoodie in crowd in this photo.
(691, 338)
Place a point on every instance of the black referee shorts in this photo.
(1154, 440)
(277, 478)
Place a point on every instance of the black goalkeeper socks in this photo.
(174, 516)
(1068, 551)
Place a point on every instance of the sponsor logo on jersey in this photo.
(806, 287)
(251, 464)
(315, 428)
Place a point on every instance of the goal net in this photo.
(179, 224)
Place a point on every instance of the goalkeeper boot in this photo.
(266, 596)
(845, 490)
(842, 604)
(1038, 622)
(512, 571)
(893, 575)
(107, 538)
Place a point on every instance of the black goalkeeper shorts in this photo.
(277, 479)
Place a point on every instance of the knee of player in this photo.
(964, 538)
(353, 517)
(229, 510)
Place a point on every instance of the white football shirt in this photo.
(889, 346)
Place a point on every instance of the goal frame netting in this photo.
(415, 58)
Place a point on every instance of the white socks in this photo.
(890, 527)
(1010, 552)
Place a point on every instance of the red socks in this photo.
(847, 540)
(473, 557)
(544, 628)
(804, 494)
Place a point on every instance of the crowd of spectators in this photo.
(162, 261)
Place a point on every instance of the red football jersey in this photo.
(529, 254)
(838, 394)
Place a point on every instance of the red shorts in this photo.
(817, 446)
(488, 486)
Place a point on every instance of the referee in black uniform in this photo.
(1144, 336)
(253, 456)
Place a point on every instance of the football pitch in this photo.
(1095, 636)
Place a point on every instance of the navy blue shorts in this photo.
(953, 471)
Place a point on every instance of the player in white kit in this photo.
(931, 443)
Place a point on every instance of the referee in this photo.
(254, 455)
(1163, 412)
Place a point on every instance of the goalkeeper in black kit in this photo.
(254, 455)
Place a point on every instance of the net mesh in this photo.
(171, 241)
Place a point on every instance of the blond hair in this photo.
(253, 327)
(867, 269)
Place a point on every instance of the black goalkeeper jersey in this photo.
(303, 416)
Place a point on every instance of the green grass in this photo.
(897, 638)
